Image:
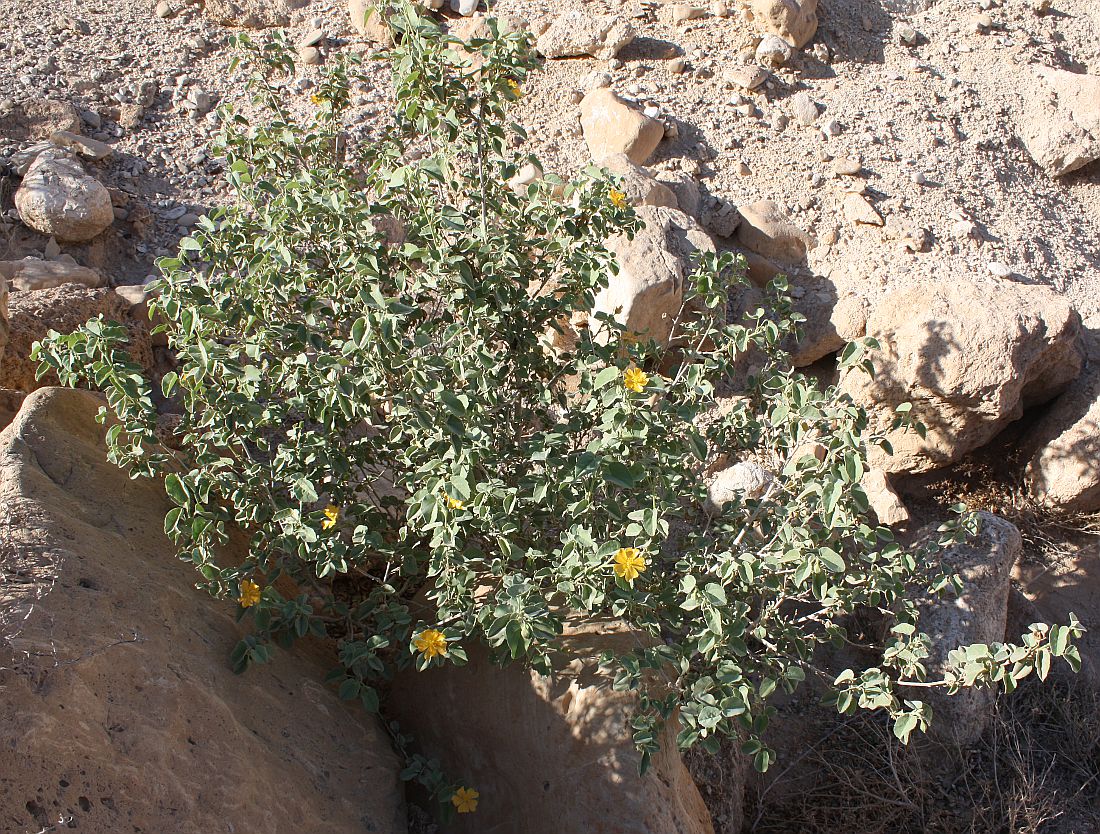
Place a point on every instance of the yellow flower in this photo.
(250, 593)
(430, 643)
(465, 800)
(629, 563)
(517, 90)
(331, 514)
(618, 198)
(316, 99)
(635, 379)
(454, 503)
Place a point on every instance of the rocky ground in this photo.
(924, 170)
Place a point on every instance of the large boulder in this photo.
(120, 711)
(978, 615)
(1060, 120)
(970, 356)
(549, 754)
(612, 126)
(795, 21)
(31, 315)
(580, 32)
(648, 291)
(58, 198)
(1065, 471)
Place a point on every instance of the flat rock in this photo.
(32, 274)
(639, 185)
(120, 709)
(578, 33)
(1065, 471)
(37, 119)
(767, 231)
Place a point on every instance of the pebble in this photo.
(748, 78)
(831, 128)
(719, 9)
(677, 66)
(164, 10)
(846, 166)
(999, 269)
(309, 55)
(312, 38)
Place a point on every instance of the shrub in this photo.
(393, 380)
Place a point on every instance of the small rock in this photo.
(312, 38)
(31, 274)
(846, 166)
(773, 51)
(82, 145)
(612, 126)
(58, 198)
(804, 109)
(677, 66)
(999, 269)
(860, 211)
(164, 10)
(793, 20)
(907, 35)
(882, 497)
(748, 77)
(579, 33)
(746, 480)
(466, 8)
(309, 55)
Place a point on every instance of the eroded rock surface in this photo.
(120, 711)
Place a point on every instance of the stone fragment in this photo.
(32, 274)
(884, 500)
(58, 198)
(766, 230)
(859, 210)
(1060, 122)
(251, 14)
(612, 126)
(749, 77)
(804, 109)
(647, 293)
(1065, 471)
(36, 119)
(90, 148)
(578, 33)
(793, 20)
(773, 51)
(638, 184)
(743, 481)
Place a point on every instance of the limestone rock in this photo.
(885, 502)
(1065, 471)
(89, 148)
(612, 126)
(766, 230)
(64, 308)
(638, 184)
(970, 356)
(579, 33)
(1060, 124)
(647, 293)
(369, 26)
(549, 755)
(33, 274)
(978, 615)
(36, 119)
(5, 325)
(793, 20)
(686, 190)
(57, 198)
(859, 210)
(251, 14)
(834, 316)
(120, 708)
(744, 480)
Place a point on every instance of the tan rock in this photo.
(793, 20)
(970, 356)
(58, 198)
(1065, 471)
(120, 709)
(612, 126)
(64, 308)
(885, 502)
(1060, 123)
(743, 481)
(648, 292)
(365, 19)
(580, 32)
(638, 184)
(90, 148)
(549, 755)
(33, 274)
(831, 321)
(858, 210)
(766, 230)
